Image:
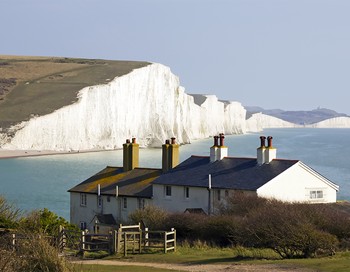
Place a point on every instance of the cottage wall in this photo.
(178, 202)
(110, 205)
(299, 184)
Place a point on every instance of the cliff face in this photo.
(147, 103)
(337, 122)
(259, 121)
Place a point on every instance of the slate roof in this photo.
(136, 183)
(228, 173)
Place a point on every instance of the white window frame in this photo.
(218, 195)
(125, 203)
(83, 200)
(167, 191)
(187, 192)
(83, 225)
(99, 201)
(141, 203)
(316, 194)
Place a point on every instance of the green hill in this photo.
(40, 85)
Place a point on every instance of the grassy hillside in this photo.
(40, 85)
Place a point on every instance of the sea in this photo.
(34, 183)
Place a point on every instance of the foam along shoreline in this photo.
(7, 154)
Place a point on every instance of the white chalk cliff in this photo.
(259, 121)
(149, 104)
(337, 122)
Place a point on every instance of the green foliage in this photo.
(45, 221)
(9, 214)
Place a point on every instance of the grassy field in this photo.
(40, 85)
(240, 256)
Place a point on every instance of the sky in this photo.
(286, 54)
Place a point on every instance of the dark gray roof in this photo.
(228, 173)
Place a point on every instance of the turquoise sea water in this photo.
(39, 182)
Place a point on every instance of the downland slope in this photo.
(40, 85)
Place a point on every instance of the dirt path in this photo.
(204, 267)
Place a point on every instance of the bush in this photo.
(288, 230)
(152, 216)
(45, 221)
(9, 214)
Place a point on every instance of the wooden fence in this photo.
(125, 240)
(141, 240)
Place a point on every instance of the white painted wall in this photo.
(114, 206)
(198, 198)
(294, 185)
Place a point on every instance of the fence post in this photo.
(83, 241)
(146, 237)
(174, 239)
(140, 241)
(119, 240)
(165, 240)
(13, 242)
(125, 244)
(115, 241)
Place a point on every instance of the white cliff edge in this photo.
(337, 122)
(259, 121)
(147, 103)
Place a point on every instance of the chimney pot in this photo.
(222, 137)
(216, 140)
(262, 141)
(269, 141)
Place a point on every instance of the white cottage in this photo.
(205, 182)
(200, 183)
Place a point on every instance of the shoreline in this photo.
(11, 154)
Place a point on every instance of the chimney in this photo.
(270, 152)
(218, 151)
(222, 150)
(214, 149)
(130, 155)
(260, 152)
(170, 154)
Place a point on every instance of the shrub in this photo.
(152, 216)
(45, 221)
(9, 214)
(287, 230)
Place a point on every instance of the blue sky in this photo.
(288, 54)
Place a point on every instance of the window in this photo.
(99, 201)
(83, 225)
(227, 193)
(125, 203)
(167, 190)
(218, 195)
(316, 194)
(83, 200)
(141, 203)
(187, 192)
